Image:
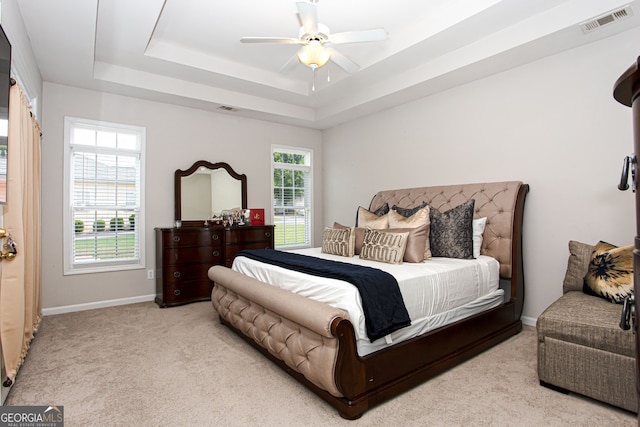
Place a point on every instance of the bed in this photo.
(317, 343)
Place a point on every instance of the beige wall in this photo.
(552, 124)
(176, 138)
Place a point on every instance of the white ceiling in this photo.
(188, 52)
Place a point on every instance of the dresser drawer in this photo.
(192, 255)
(186, 292)
(177, 274)
(232, 251)
(196, 237)
(241, 235)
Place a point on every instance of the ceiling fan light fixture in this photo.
(314, 55)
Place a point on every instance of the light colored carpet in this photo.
(139, 365)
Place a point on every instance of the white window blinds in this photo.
(105, 226)
(291, 197)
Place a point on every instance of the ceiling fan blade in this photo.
(308, 17)
(290, 64)
(359, 36)
(269, 40)
(343, 62)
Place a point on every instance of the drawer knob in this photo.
(176, 274)
(215, 237)
(216, 253)
(268, 234)
(176, 238)
(176, 292)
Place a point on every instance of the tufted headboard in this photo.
(502, 203)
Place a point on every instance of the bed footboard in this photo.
(280, 322)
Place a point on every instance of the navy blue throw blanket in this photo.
(384, 309)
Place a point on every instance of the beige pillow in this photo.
(420, 218)
(384, 246)
(359, 232)
(577, 265)
(338, 241)
(416, 242)
(367, 219)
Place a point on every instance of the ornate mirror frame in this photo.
(179, 174)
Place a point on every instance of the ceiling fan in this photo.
(314, 38)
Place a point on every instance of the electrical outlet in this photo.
(150, 274)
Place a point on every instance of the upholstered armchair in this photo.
(581, 347)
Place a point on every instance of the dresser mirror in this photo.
(207, 188)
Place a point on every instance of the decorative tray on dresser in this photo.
(184, 256)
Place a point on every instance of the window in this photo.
(103, 196)
(291, 197)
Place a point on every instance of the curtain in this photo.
(20, 303)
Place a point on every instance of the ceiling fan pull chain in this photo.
(313, 84)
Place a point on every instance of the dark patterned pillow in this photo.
(452, 231)
(407, 212)
(384, 209)
(610, 273)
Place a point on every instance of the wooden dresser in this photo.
(184, 256)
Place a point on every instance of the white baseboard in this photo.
(97, 304)
(529, 321)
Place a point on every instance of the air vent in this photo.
(606, 19)
(227, 108)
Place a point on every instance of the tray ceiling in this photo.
(188, 52)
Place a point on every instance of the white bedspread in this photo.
(435, 292)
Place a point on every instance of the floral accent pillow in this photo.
(610, 273)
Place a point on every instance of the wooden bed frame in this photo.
(316, 343)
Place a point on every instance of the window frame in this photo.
(71, 267)
(307, 152)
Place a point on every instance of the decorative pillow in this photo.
(610, 273)
(382, 210)
(478, 231)
(407, 212)
(452, 231)
(417, 240)
(384, 246)
(577, 266)
(338, 241)
(367, 219)
(419, 218)
(359, 232)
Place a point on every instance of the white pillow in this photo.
(478, 230)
